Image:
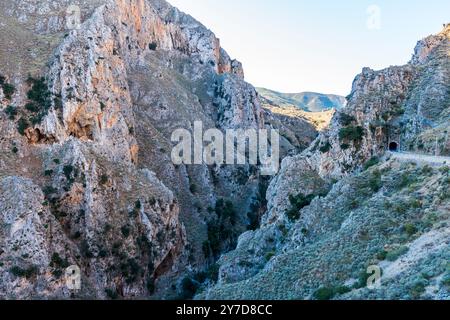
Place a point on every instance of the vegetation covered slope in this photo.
(394, 215)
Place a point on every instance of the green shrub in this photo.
(372, 162)
(39, 93)
(153, 46)
(104, 179)
(298, 202)
(398, 111)
(40, 100)
(85, 250)
(362, 280)
(49, 190)
(225, 209)
(125, 231)
(58, 102)
(269, 255)
(8, 90)
(11, 111)
(129, 267)
(14, 149)
(427, 170)
(188, 288)
(24, 273)
(112, 294)
(32, 107)
(382, 255)
(57, 273)
(193, 188)
(68, 170)
(253, 218)
(326, 147)
(416, 204)
(346, 119)
(342, 290)
(324, 293)
(58, 262)
(417, 290)
(76, 235)
(221, 228)
(22, 125)
(410, 229)
(214, 237)
(405, 180)
(375, 182)
(351, 133)
(397, 253)
(400, 208)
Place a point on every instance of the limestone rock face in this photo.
(424, 48)
(29, 236)
(112, 91)
(91, 67)
(238, 104)
(23, 230)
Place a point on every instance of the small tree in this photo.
(351, 133)
(8, 90)
(11, 111)
(22, 125)
(346, 119)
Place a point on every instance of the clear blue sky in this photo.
(317, 45)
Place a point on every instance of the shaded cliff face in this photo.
(86, 148)
(343, 205)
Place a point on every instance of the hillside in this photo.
(345, 206)
(306, 101)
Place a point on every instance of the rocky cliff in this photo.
(343, 205)
(85, 170)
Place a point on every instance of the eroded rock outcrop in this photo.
(93, 132)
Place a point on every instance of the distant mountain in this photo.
(307, 101)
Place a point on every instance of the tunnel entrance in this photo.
(393, 146)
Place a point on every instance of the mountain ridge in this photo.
(306, 101)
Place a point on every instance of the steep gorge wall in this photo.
(109, 190)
